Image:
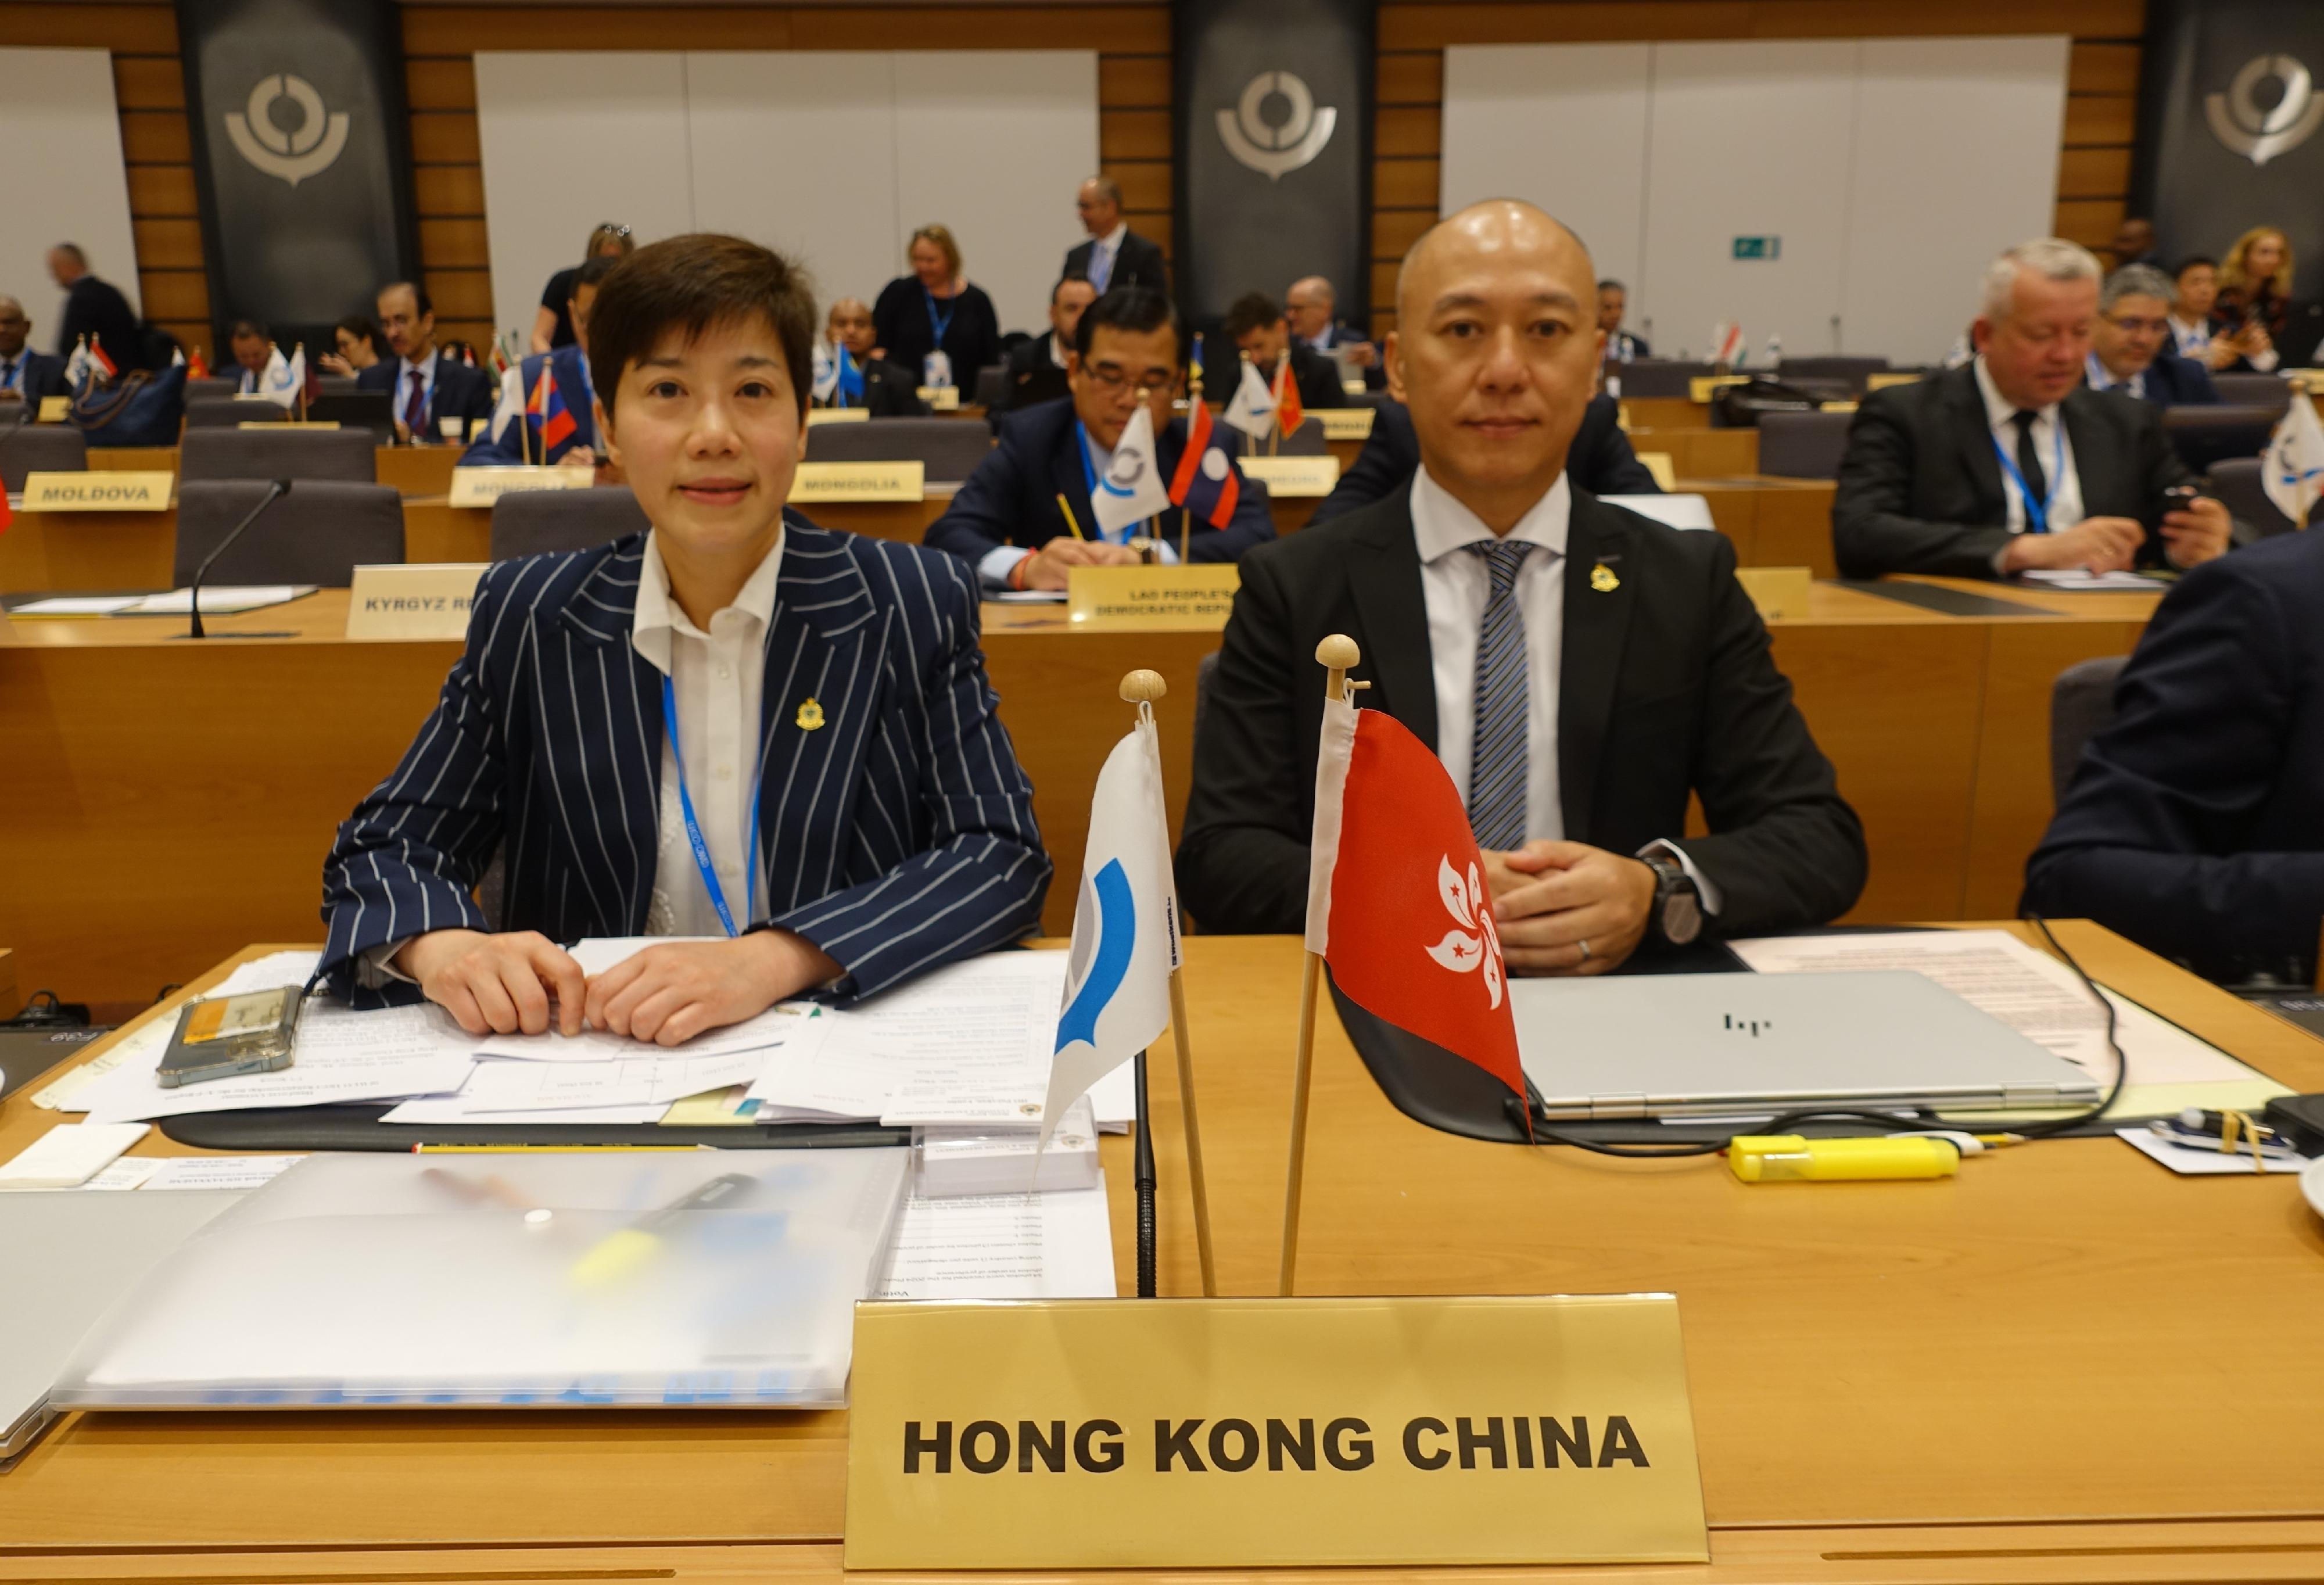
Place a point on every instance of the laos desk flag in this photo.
(1395, 897)
(1206, 482)
(1125, 927)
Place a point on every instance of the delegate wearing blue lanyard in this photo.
(2037, 512)
(694, 828)
(1089, 478)
(935, 324)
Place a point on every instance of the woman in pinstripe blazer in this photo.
(892, 828)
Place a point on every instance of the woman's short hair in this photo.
(689, 283)
(939, 236)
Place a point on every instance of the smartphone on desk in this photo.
(222, 1036)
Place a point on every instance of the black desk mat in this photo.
(358, 1127)
(1937, 597)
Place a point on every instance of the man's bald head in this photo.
(850, 324)
(1309, 304)
(13, 327)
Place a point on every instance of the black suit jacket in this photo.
(1011, 498)
(97, 309)
(1318, 377)
(1032, 377)
(1599, 460)
(43, 376)
(1920, 484)
(1666, 688)
(459, 392)
(889, 392)
(1344, 333)
(1137, 263)
(2171, 380)
(2191, 826)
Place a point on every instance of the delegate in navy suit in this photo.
(456, 390)
(897, 832)
(2169, 381)
(1011, 498)
(570, 370)
(2191, 824)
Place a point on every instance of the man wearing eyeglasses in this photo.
(1010, 518)
(2128, 342)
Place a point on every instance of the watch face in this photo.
(1682, 919)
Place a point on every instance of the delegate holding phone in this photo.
(221, 1037)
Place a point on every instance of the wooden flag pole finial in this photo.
(1143, 687)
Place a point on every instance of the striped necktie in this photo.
(1499, 752)
(415, 408)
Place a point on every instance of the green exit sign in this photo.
(1758, 247)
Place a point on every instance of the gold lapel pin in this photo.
(810, 715)
(1602, 579)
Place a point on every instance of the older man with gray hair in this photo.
(2131, 343)
(2011, 464)
(1114, 255)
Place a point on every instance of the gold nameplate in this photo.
(1881, 382)
(942, 399)
(100, 491)
(1837, 407)
(288, 424)
(54, 409)
(1699, 388)
(415, 600)
(859, 481)
(1292, 476)
(481, 486)
(1345, 423)
(1250, 1434)
(1198, 596)
(1658, 463)
(836, 415)
(1779, 592)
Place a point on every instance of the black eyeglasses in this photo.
(1110, 378)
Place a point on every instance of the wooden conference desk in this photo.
(2064, 1364)
(149, 763)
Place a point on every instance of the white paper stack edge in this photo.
(953, 1162)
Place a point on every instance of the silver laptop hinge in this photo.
(2029, 1097)
(1613, 1106)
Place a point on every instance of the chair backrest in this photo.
(1803, 445)
(992, 386)
(2082, 707)
(1206, 670)
(274, 453)
(335, 384)
(2236, 481)
(1660, 376)
(210, 386)
(1306, 440)
(2267, 391)
(225, 412)
(1854, 372)
(2204, 436)
(41, 448)
(948, 448)
(535, 522)
(318, 533)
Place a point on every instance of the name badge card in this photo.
(1292, 475)
(1249, 1433)
(421, 600)
(54, 409)
(99, 491)
(1345, 423)
(836, 415)
(859, 481)
(1175, 597)
(482, 486)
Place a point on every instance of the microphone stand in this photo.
(274, 493)
(1142, 1172)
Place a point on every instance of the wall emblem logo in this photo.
(2260, 135)
(1274, 152)
(306, 150)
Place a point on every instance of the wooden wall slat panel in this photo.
(461, 294)
(2093, 173)
(431, 30)
(2100, 118)
(1134, 82)
(1405, 184)
(125, 29)
(1845, 18)
(440, 85)
(452, 244)
(1407, 130)
(1433, 27)
(1139, 30)
(148, 82)
(1396, 230)
(168, 244)
(1133, 134)
(2091, 221)
(162, 190)
(174, 294)
(1416, 77)
(448, 189)
(155, 137)
(2102, 69)
(464, 30)
(444, 137)
(1145, 183)
(477, 333)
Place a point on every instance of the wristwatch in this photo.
(1676, 917)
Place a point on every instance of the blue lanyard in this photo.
(2037, 512)
(935, 324)
(694, 829)
(1088, 482)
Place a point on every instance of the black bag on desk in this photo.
(1738, 407)
(142, 408)
(27, 1053)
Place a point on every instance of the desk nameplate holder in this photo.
(817, 416)
(481, 486)
(100, 490)
(941, 398)
(413, 600)
(1198, 595)
(54, 409)
(858, 481)
(1345, 423)
(1703, 387)
(1257, 1433)
(1292, 476)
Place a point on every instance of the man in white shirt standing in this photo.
(1114, 254)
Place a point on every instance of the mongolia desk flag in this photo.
(2291, 471)
(1395, 897)
(1206, 482)
(547, 404)
(1125, 927)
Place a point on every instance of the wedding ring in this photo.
(1585, 949)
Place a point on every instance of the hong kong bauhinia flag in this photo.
(1395, 897)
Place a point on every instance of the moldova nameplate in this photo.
(100, 490)
(1345, 423)
(1292, 476)
(481, 486)
(54, 409)
(859, 481)
(414, 600)
(1198, 595)
(1242, 1433)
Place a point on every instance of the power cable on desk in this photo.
(1902, 1122)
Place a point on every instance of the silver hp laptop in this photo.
(1678, 1045)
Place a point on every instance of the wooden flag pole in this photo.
(301, 350)
(1338, 655)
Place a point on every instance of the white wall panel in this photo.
(62, 179)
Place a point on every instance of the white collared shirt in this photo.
(1057, 350)
(2101, 378)
(2051, 442)
(2190, 341)
(720, 679)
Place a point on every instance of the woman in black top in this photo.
(552, 327)
(2255, 299)
(935, 308)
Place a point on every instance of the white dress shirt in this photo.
(2049, 436)
(2101, 378)
(2190, 341)
(1108, 248)
(720, 680)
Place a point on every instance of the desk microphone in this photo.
(274, 493)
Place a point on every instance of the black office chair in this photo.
(2237, 482)
(1659, 376)
(1204, 671)
(41, 448)
(948, 450)
(2272, 391)
(274, 453)
(334, 385)
(536, 522)
(227, 412)
(1803, 445)
(2082, 707)
(1852, 372)
(318, 533)
(992, 386)
(2206, 435)
(1306, 440)
(212, 387)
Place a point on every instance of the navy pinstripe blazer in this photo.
(897, 836)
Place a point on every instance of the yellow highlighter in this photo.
(1789, 1158)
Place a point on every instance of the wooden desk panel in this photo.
(1702, 454)
(133, 459)
(418, 470)
(11, 998)
(46, 552)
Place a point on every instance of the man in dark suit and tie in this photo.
(25, 375)
(1599, 460)
(1313, 308)
(1580, 669)
(429, 387)
(2009, 464)
(885, 390)
(1037, 368)
(2190, 827)
(1260, 329)
(1129, 349)
(2131, 341)
(94, 310)
(736, 725)
(1114, 255)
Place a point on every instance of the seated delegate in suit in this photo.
(1313, 308)
(2129, 341)
(807, 711)
(1037, 368)
(428, 387)
(1580, 669)
(1114, 255)
(856, 377)
(2010, 464)
(509, 442)
(250, 347)
(1257, 326)
(1599, 460)
(2190, 827)
(25, 375)
(1006, 522)
(934, 309)
(1613, 303)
